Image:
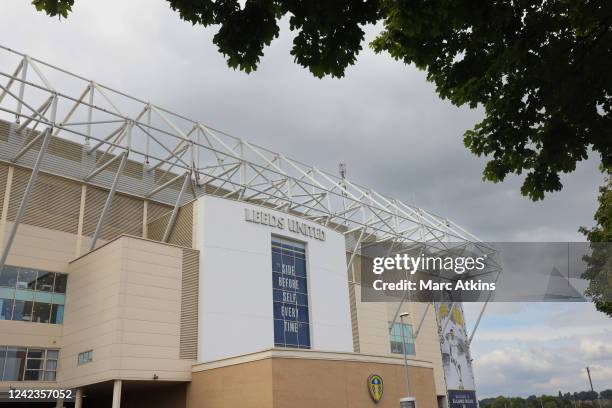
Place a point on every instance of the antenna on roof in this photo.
(342, 170)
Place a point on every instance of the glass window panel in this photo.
(276, 307)
(49, 375)
(41, 312)
(276, 262)
(34, 364)
(300, 268)
(304, 335)
(8, 276)
(276, 281)
(32, 375)
(396, 347)
(291, 333)
(398, 342)
(51, 365)
(288, 260)
(302, 299)
(279, 337)
(52, 354)
(6, 309)
(24, 294)
(22, 311)
(301, 285)
(290, 299)
(45, 281)
(289, 312)
(285, 282)
(15, 364)
(27, 279)
(2, 359)
(60, 283)
(303, 314)
(57, 314)
(59, 299)
(410, 348)
(7, 293)
(43, 297)
(36, 353)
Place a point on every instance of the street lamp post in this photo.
(407, 401)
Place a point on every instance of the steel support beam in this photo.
(166, 184)
(24, 199)
(101, 168)
(109, 202)
(477, 321)
(418, 330)
(176, 208)
(28, 147)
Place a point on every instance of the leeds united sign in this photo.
(282, 223)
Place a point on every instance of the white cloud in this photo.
(541, 348)
(537, 370)
(594, 349)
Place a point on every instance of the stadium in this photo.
(151, 260)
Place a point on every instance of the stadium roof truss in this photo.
(183, 159)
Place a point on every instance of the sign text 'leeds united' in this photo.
(275, 221)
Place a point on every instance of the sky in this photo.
(385, 121)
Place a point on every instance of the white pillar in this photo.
(78, 398)
(59, 403)
(117, 394)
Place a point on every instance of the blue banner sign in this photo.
(290, 288)
(461, 399)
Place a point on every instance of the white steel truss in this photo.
(182, 159)
(99, 118)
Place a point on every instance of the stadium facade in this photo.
(150, 260)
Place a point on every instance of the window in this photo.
(397, 343)
(8, 276)
(290, 294)
(27, 279)
(30, 295)
(85, 357)
(27, 364)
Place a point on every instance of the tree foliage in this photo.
(599, 262)
(59, 8)
(567, 400)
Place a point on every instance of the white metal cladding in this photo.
(182, 159)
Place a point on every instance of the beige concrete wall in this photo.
(247, 385)
(27, 334)
(45, 249)
(427, 345)
(323, 383)
(373, 331)
(41, 248)
(373, 326)
(123, 302)
(296, 379)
